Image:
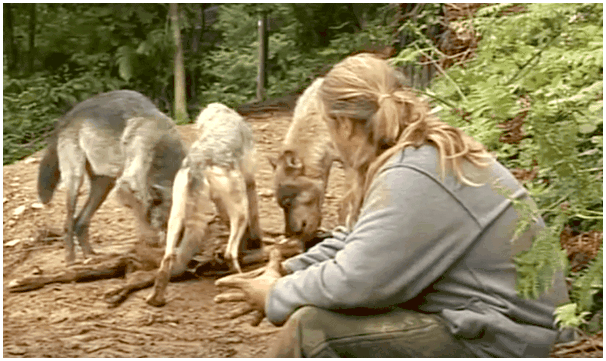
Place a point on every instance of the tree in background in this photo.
(32, 38)
(9, 40)
(85, 49)
(263, 50)
(180, 106)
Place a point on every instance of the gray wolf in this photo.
(216, 176)
(118, 139)
(302, 168)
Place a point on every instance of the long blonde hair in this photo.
(368, 92)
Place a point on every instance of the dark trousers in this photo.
(314, 332)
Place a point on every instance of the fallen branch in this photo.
(200, 266)
(139, 265)
(109, 266)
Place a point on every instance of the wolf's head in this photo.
(168, 153)
(159, 209)
(303, 165)
(299, 195)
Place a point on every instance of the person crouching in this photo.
(427, 268)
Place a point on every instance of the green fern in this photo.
(588, 283)
(543, 66)
(568, 316)
(537, 267)
(576, 312)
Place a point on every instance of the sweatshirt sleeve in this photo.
(410, 230)
(325, 250)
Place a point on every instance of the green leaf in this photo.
(406, 56)
(144, 48)
(597, 107)
(587, 128)
(125, 59)
(567, 316)
(102, 11)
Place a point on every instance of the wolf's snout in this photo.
(303, 224)
(293, 229)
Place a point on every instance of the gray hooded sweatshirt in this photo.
(433, 246)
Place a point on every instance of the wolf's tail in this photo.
(49, 174)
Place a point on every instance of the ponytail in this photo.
(366, 90)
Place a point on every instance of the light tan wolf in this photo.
(121, 139)
(303, 166)
(217, 172)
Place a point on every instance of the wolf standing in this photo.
(121, 139)
(219, 171)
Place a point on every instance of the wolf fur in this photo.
(216, 175)
(303, 166)
(121, 139)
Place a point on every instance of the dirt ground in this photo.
(72, 320)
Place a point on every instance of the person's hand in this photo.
(252, 288)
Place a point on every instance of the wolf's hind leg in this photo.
(71, 163)
(254, 234)
(100, 186)
(231, 189)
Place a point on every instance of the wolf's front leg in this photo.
(181, 244)
(173, 264)
(157, 298)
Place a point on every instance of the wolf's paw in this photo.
(115, 297)
(156, 300)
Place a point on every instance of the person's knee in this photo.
(293, 340)
(309, 327)
(307, 319)
(304, 314)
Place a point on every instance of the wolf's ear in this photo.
(159, 187)
(292, 161)
(273, 162)
(161, 192)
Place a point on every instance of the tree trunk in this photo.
(197, 34)
(9, 39)
(198, 29)
(263, 51)
(203, 18)
(180, 101)
(358, 15)
(32, 37)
